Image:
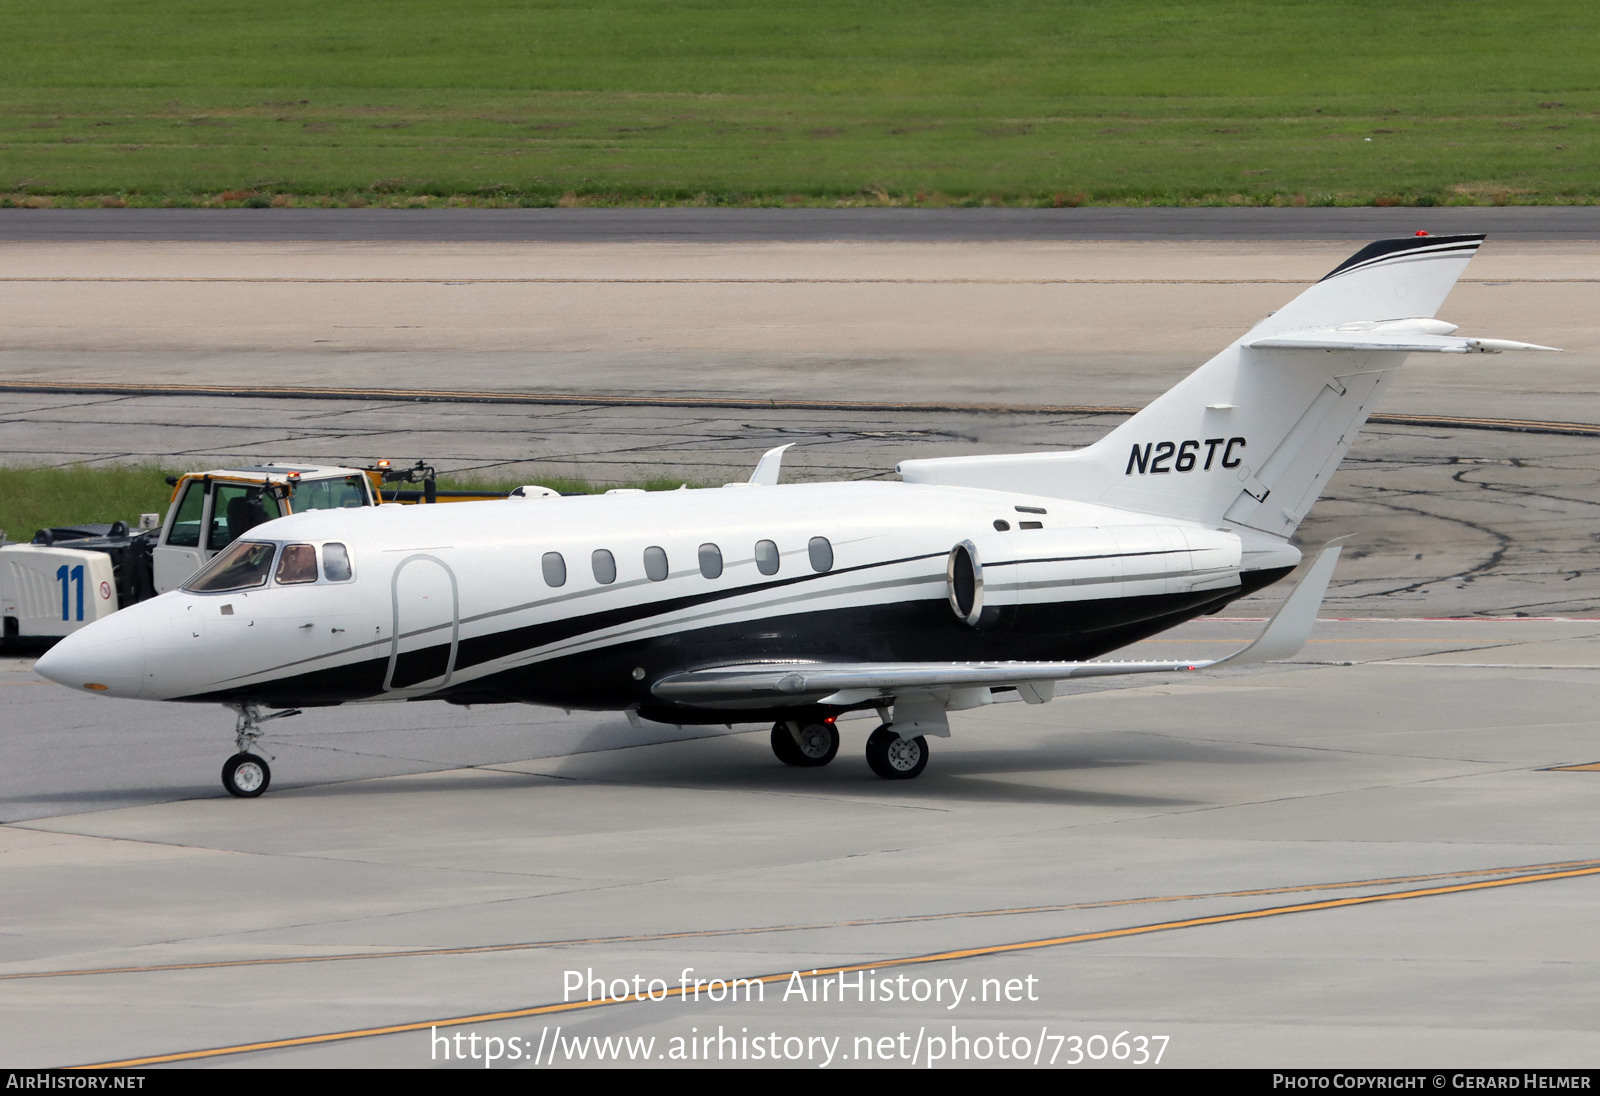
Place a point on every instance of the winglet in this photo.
(1290, 626)
(769, 466)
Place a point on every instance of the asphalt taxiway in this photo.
(1376, 854)
(1365, 857)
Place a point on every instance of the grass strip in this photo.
(818, 102)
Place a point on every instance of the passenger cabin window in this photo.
(185, 532)
(336, 562)
(821, 554)
(243, 567)
(604, 565)
(655, 563)
(710, 561)
(297, 564)
(555, 569)
(766, 557)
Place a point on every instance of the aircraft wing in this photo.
(785, 684)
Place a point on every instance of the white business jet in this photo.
(971, 579)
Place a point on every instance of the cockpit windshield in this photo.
(244, 566)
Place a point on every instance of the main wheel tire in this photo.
(896, 758)
(818, 744)
(246, 775)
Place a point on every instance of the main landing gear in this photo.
(896, 758)
(246, 774)
(812, 743)
(805, 744)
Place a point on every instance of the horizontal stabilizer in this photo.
(798, 684)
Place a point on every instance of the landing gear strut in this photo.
(246, 774)
(896, 758)
(805, 744)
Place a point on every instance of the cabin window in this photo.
(555, 569)
(821, 554)
(244, 566)
(710, 561)
(766, 557)
(655, 564)
(296, 564)
(604, 565)
(1001, 525)
(336, 562)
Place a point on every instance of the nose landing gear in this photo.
(246, 774)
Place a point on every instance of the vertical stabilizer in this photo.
(1251, 438)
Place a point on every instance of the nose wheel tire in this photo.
(896, 758)
(817, 744)
(246, 775)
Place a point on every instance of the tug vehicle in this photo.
(70, 576)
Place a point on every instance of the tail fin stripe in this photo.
(1385, 249)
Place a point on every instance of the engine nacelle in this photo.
(1035, 566)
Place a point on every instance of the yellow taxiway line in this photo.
(757, 930)
(1588, 868)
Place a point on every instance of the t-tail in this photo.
(1250, 439)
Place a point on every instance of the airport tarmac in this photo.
(1363, 858)
(1376, 854)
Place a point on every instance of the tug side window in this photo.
(185, 532)
(236, 510)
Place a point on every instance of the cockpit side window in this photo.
(297, 564)
(336, 562)
(244, 566)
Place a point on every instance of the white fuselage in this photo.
(460, 601)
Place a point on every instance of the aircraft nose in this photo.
(107, 657)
